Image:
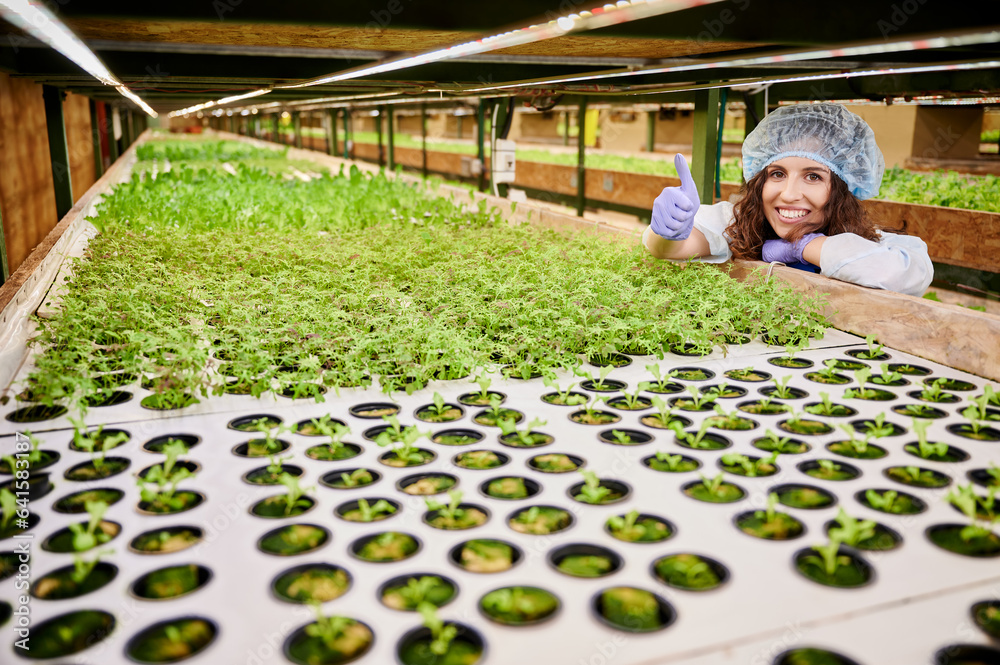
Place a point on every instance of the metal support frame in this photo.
(705, 142)
(718, 142)
(651, 130)
(347, 134)
(4, 265)
(480, 145)
(297, 128)
(458, 122)
(755, 107)
(566, 128)
(378, 136)
(501, 110)
(390, 136)
(423, 138)
(581, 157)
(55, 124)
(331, 131)
(95, 137)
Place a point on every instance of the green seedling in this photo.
(934, 391)
(438, 408)
(697, 573)
(165, 477)
(592, 490)
(770, 512)
(992, 396)
(664, 411)
(82, 567)
(269, 434)
(325, 426)
(861, 376)
(851, 531)
(626, 524)
(696, 440)
(829, 370)
(484, 382)
(751, 468)
(927, 449)
(417, 589)
(829, 558)
(564, 394)
(329, 629)
(632, 400)
(405, 448)
(825, 408)
(294, 495)
(976, 413)
(621, 438)
(673, 462)
(879, 428)
(859, 446)
(828, 466)
(781, 389)
(884, 501)
(662, 380)
(371, 513)
(356, 478)
(86, 536)
(442, 634)
(887, 376)
(700, 399)
(965, 499)
(779, 444)
(712, 485)
(88, 441)
(31, 458)
(874, 348)
(8, 507)
(450, 511)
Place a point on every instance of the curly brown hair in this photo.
(843, 213)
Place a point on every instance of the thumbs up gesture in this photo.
(675, 207)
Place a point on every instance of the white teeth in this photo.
(793, 214)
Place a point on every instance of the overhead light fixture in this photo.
(36, 20)
(849, 50)
(219, 102)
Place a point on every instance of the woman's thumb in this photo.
(687, 182)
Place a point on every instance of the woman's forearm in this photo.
(694, 246)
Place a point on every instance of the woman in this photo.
(807, 169)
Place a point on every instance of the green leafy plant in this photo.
(750, 468)
(884, 501)
(778, 444)
(934, 391)
(356, 478)
(294, 494)
(86, 536)
(83, 566)
(335, 431)
(925, 448)
(887, 377)
(874, 348)
(965, 499)
(442, 634)
(95, 442)
(781, 389)
(564, 394)
(592, 490)
(371, 513)
(697, 440)
(826, 407)
(451, 511)
(527, 436)
(851, 531)
(829, 558)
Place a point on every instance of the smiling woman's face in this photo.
(795, 195)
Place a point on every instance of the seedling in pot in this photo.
(751, 468)
(482, 398)
(893, 502)
(934, 392)
(95, 442)
(887, 377)
(631, 401)
(519, 605)
(90, 535)
(770, 524)
(405, 452)
(699, 400)
(335, 448)
(83, 567)
(451, 515)
(330, 639)
(784, 445)
(874, 349)
(917, 477)
(828, 408)
(32, 460)
(663, 383)
(699, 440)
(602, 374)
(799, 424)
(294, 499)
(592, 491)
(356, 478)
(439, 411)
(540, 520)
(714, 490)
(781, 389)
(851, 531)
(924, 448)
(442, 636)
(966, 500)
(828, 374)
(370, 513)
(687, 571)
(492, 416)
(853, 446)
(833, 567)
(978, 416)
(269, 444)
(526, 438)
(424, 589)
(630, 528)
(664, 461)
(560, 396)
(861, 376)
(591, 415)
(729, 421)
(746, 374)
(664, 414)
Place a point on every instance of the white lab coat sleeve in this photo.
(712, 221)
(894, 263)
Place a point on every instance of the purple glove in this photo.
(674, 208)
(786, 252)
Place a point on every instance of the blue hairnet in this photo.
(825, 133)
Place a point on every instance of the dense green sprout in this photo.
(344, 279)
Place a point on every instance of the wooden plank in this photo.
(946, 334)
(80, 139)
(967, 238)
(27, 197)
(30, 264)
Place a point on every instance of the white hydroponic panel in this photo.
(763, 600)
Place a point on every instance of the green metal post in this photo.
(331, 132)
(498, 121)
(458, 121)
(651, 131)
(391, 136)
(297, 126)
(718, 142)
(95, 137)
(480, 145)
(4, 266)
(581, 156)
(423, 136)
(347, 134)
(566, 128)
(58, 149)
(112, 141)
(704, 146)
(378, 136)
(276, 128)
(758, 107)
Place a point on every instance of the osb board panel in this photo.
(27, 197)
(388, 39)
(80, 140)
(948, 334)
(967, 238)
(634, 189)
(550, 177)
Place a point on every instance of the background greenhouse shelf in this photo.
(764, 603)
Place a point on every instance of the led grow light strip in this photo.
(219, 102)
(867, 48)
(40, 23)
(598, 17)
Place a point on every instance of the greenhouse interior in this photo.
(281, 380)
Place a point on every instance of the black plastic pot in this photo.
(334, 480)
(718, 573)
(636, 438)
(246, 423)
(475, 399)
(813, 499)
(858, 573)
(813, 469)
(245, 449)
(75, 503)
(70, 633)
(293, 539)
(468, 647)
(556, 463)
(178, 538)
(61, 541)
(949, 537)
(340, 577)
(474, 460)
(347, 508)
(36, 413)
(752, 521)
(155, 644)
(607, 386)
(491, 489)
(585, 561)
(60, 585)
(662, 533)
(632, 610)
(548, 609)
(170, 582)
(485, 555)
(367, 548)
(910, 505)
(566, 520)
(38, 485)
(158, 443)
(619, 492)
(967, 654)
(883, 540)
(427, 484)
(374, 410)
(812, 656)
(457, 437)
